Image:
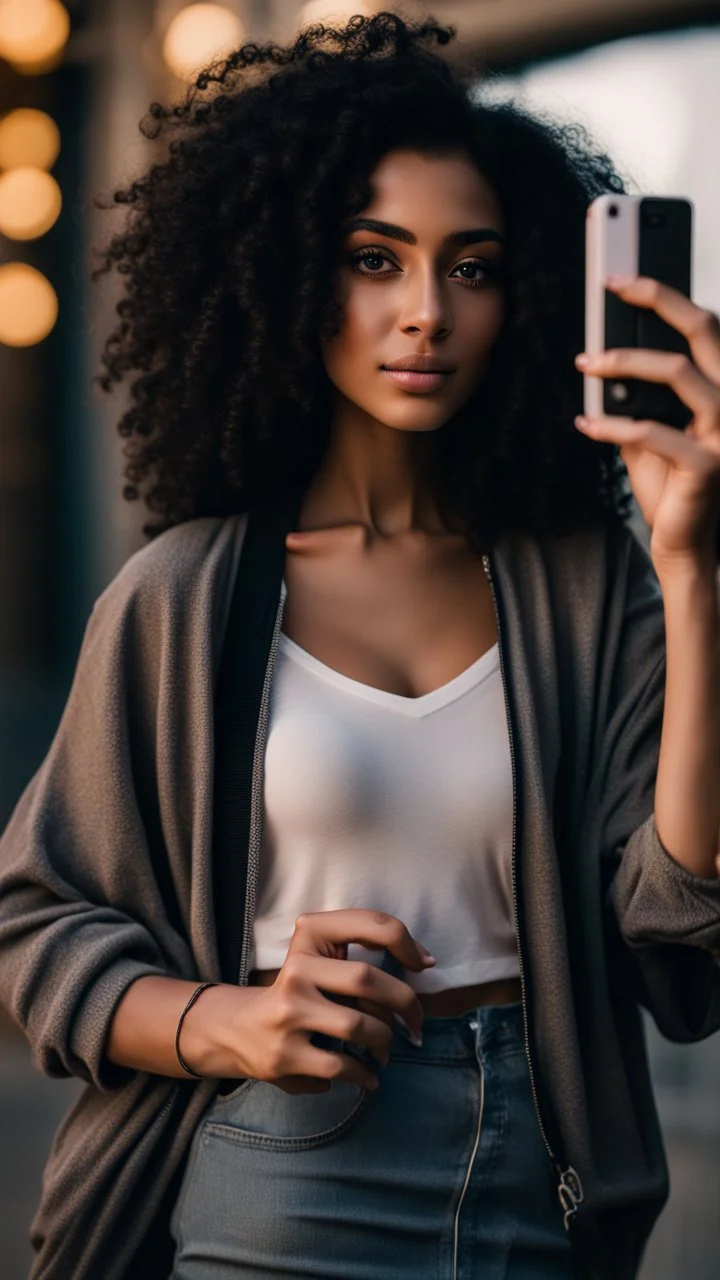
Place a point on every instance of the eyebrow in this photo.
(389, 229)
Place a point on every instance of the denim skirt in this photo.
(440, 1174)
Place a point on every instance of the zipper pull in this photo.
(570, 1194)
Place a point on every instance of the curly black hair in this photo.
(228, 253)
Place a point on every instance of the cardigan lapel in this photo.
(238, 694)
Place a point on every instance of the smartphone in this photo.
(360, 1051)
(635, 235)
(397, 970)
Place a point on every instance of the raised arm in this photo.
(668, 917)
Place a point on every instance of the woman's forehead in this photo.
(408, 186)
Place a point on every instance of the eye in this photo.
(490, 270)
(365, 258)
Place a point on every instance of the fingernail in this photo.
(616, 282)
(428, 959)
(581, 360)
(406, 1031)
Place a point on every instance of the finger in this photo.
(674, 445)
(315, 931)
(326, 1065)
(376, 1011)
(360, 980)
(700, 326)
(345, 1023)
(678, 371)
(367, 1006)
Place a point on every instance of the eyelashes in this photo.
(491, 270)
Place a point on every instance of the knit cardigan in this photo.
(130, 851)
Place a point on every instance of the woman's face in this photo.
(425, 282)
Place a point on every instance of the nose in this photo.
(426, 305)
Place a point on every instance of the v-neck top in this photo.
(373, 799)
(416, 707)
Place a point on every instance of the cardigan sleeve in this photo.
(668, 918)
(81, 910)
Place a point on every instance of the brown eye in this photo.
(367, 255)
(489, 270)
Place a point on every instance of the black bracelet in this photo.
(198, 991)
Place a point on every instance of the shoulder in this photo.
(177, 560)
(589, 595)
(185, 569)
(608, 563)
(582, 566)
(609, 600)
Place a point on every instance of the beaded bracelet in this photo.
(198, 991)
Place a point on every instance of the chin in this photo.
(417, 423)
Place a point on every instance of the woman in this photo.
(389, 679)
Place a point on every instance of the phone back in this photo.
(635, 235)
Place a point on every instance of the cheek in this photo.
(486, 325)
(479, 334)
(366, 315)
(353, 350)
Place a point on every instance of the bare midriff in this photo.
(437, 1004)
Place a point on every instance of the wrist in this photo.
(701, 565)
(212, 1030)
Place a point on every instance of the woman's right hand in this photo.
(264, 1032)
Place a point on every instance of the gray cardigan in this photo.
(106, 874)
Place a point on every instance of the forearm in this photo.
(687, 790)
(142, 1033)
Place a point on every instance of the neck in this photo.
(376, 476)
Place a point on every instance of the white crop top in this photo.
(400, 804)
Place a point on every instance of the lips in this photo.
(411, 381)
(417, 363)
(418, 372)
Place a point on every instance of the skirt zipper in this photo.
(256, 804)
(570, 1191)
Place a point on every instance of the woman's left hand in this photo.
(675, 475)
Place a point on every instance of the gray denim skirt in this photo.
(440, 1174)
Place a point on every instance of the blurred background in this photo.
(75, 79)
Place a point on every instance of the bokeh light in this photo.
(331, 12)
(28, 305)
(33, 33)
(28, 137)
(30, 203)
(198, 34)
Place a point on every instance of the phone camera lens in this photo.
(613, 211)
